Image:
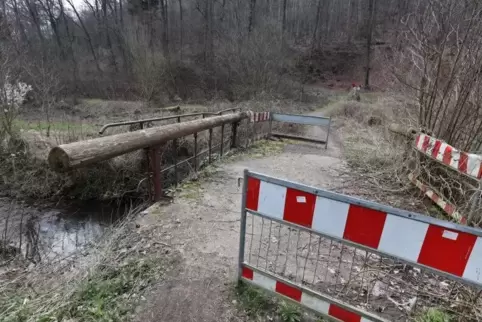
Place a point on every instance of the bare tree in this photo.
(371, 14)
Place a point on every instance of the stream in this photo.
(49, 232)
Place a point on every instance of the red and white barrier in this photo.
(299, 295)
(449, 250)
(466, 163)
(256, 117)
(446, 206)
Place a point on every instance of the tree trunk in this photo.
(87, 35)
(181, 29)
(369, 41)
(283, 23)
(252, 7)
(32, 9)
(208, 31)
(314, 42)
(80, 154)
(75, 72)
(107, 35)
(165, 28)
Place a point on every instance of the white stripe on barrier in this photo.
(272, 199)
(314, 303)
(330, 216)
(396, 239)
(264, 282)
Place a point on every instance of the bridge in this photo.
(226, 230)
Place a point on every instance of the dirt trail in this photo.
(204, 226)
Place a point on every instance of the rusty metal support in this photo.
(155, 169)
(195, 152)
(234, 131)
(222, 141)
(210, 144)
(174, 146)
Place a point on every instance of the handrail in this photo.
(165, 118)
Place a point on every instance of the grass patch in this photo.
(108, 294)
(190, 189)
(57, 126)
(433, 315)
(111, 294)
(265, 148)
(254, 301)
(289, 312)
(260, 305)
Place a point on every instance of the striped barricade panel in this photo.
(466, 163)
(303, 296)
(438, 199)
(256, 117)
(397, 233)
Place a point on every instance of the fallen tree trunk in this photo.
(80, 154)
(402, 130)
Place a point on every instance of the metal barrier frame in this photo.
(303, 120)
(476, 250)
(166, 118)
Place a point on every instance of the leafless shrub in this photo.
(439, 61)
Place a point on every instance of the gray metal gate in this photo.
(318, 133)
(353, 260)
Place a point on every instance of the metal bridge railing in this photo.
(355, 260)
(178, 118)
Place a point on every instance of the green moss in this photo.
(433, 315)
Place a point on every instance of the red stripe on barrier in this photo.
(252, 195)
(289, 291)
(342, 314)
(417, 141)
(426, 141)
(247, 273)
(299, 207)
(364, 226)
(464, 158)
(479, 175)
(449, 209)
(446, 250)
(447, 155)
(436, 148)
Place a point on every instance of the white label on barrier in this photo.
(450, 235)
(301, 199)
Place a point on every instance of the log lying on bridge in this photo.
(79, 154)
(402, 130)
